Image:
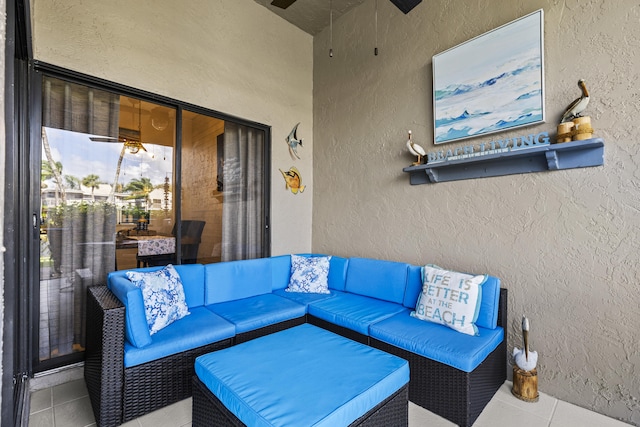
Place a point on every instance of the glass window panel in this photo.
(107, 186)
(202, 196)
(106, 181)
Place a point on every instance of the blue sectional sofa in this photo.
(130, 372)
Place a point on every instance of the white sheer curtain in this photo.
(243, 216)
(77, 248)
(79, 108)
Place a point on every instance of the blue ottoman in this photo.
(303, 376)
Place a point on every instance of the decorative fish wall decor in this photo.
(292, 180)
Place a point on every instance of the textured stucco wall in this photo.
(564, 243)
(233, 56)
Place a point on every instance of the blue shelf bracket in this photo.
(551, 157)
(552, 160)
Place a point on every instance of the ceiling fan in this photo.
(404, 5)
(129, 137)
(282, 4)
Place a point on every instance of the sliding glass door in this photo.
(223, 181)
(105, 181)
(126, 182)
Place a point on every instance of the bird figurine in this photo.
(577, 106)
(416, 150)
(525, 359)
(293, 142)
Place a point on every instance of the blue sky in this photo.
(81, 157)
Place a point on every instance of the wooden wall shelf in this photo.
(568, 155)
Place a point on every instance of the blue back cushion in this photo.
(384, 280)
(227, 281)
(338, 273)
(192, 277)
(136, 327)
(135, 322)
(488, 316)
(281, 271)
(414, 286)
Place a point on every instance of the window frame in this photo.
(38, 70)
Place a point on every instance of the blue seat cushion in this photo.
(303, 298)
(437, 342)
(303, 376)
(252, 313)
(354, 312)
(200, 328)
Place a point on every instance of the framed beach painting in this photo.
(491, 83)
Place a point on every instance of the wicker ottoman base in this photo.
(209, 411)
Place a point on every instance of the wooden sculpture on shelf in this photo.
(416, 150)
(578, 105)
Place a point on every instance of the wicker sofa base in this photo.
(118, 395)
(209, 411)
(161, 382)
(336, 329)
(270, 329)
(451, 393)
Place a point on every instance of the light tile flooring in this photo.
(67, 405)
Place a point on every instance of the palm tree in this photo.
(140, 189)
(73, 182)
(115, 185)
(47, 172)
(92, 181)
(55, 168)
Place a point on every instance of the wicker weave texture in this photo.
(269, 329)
(118, 395)
(104, 355)
(340, 330)
(449, 392)
(159, 383)
(208, 411)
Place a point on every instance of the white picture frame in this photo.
(491, 83)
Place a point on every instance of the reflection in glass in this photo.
(106, 180)
(202, 197)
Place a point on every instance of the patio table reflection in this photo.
(149, 248)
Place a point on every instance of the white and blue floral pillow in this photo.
(163, 296)
(309, 274)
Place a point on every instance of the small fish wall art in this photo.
(293, 142)
(292, 180)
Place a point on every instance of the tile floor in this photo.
(67, 405)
